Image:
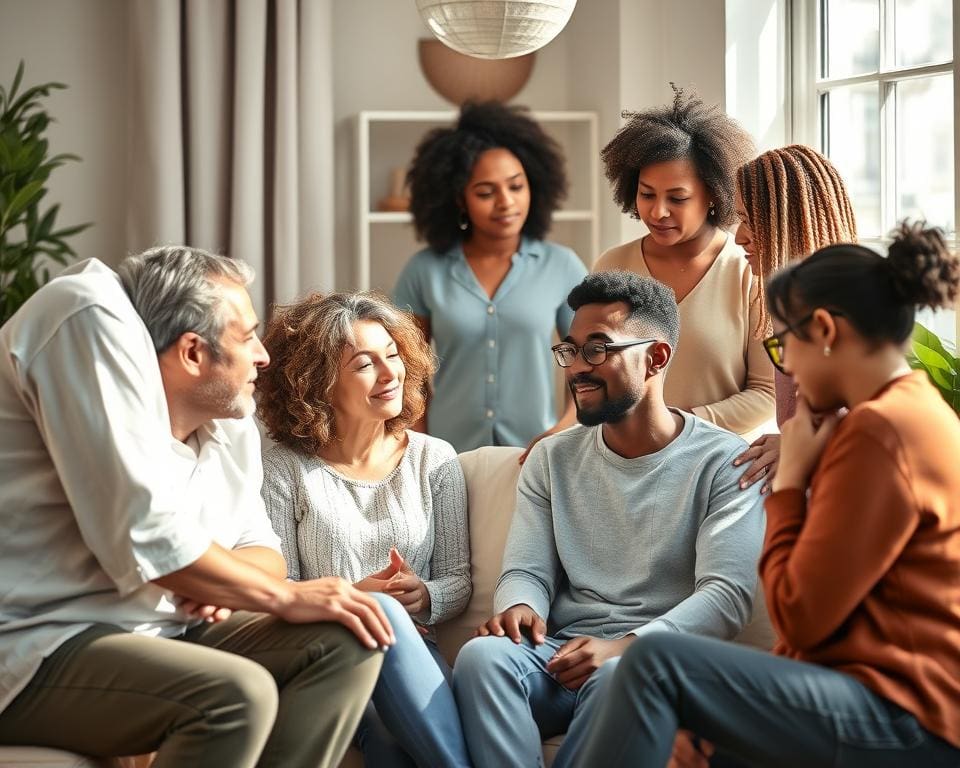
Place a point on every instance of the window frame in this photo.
(806, 88)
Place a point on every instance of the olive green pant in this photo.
(249, 691)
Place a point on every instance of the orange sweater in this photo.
(863, 575)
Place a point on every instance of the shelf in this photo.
(573, 216)
(389, 217)
(404, 217)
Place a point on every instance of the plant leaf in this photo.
(22, 199)
(930, 358)
(929, 339)
(17, 79)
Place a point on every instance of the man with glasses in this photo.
(631, 522)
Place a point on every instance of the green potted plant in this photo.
(931, 354)
(29, 240)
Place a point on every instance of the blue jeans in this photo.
(757, 708)
(412, 718)
(509, 702)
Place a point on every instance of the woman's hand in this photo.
(763, 455)
(406, 587)
(377, 582)
(400, 582)
(690, 752)
(802, 441)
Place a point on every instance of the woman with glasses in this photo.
(861, 561)
(791, 201)
(488, 290)
(673, 168)
(352, 492)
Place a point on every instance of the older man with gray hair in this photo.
(143, 600)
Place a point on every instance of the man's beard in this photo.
(609, 411)
(221, 397)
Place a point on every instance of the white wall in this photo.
(660, 45)
(756, 69)
(82, 44)
(613, 55)
(593, 46)
(379, 70)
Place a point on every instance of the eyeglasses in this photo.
(774, 344)
(594, 352)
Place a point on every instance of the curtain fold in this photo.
(231, 136)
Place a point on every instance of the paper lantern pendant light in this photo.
(495, 29)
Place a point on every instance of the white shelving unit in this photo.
(387, 140)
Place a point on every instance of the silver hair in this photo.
(344, 310)
(174, 290)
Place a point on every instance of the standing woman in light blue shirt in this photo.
(489, 291)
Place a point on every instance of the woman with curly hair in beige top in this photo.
(352, 492)
(673, 168)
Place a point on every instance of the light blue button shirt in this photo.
(495, 381)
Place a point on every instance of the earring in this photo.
(711, 212)
(826, 351)
(464, 221)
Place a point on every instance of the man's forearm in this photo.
(267, 560)
(221, 577)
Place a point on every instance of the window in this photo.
(873, 89)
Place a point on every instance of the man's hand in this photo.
(579, 658)
(763, 455)
(511, 621)
(217, 578)
(334, 599)
(209, 613)
(690, 752)
(408, 588)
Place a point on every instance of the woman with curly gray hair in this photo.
(352, 492)
(673, 167)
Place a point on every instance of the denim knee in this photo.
(394, 610)
(479, 656)
(651, 655)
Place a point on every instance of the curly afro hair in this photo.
(445, 157)
(715, 143)
(653, 306)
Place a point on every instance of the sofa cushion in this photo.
(491, 476)
(40, 757)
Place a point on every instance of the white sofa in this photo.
(491, 475)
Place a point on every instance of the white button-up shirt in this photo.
(97, 498)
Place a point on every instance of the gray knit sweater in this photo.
(602, 546)
(331, 525)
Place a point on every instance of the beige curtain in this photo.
(231, 135)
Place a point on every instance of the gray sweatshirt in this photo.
(603, 546)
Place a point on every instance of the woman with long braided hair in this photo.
(791, 201)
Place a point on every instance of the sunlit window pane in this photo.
(924, 177)
(922, 31)
(852, 30)
(851, 138)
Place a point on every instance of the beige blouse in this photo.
(719, 370)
